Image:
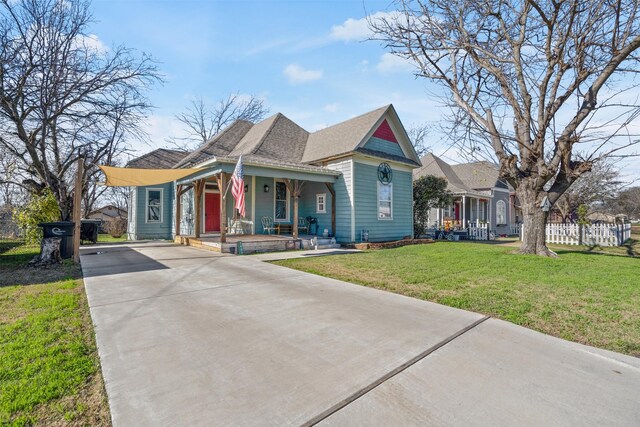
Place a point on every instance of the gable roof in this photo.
(464, 177)
(433, 165)
(162, 158)
(220, 145)
(276, 137)
(341, 138)
(479, 175)
(279, 139)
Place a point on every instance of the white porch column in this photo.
(438, 217)
(464, 211)
(477, 209)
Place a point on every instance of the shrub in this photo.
(115, 227)
(40, 208)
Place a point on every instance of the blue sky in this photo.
(309, 60)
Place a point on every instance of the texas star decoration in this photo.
(385, 174)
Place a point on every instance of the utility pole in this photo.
(77, 211)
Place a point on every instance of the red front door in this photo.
(211, 212)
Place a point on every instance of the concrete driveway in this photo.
(189, 337)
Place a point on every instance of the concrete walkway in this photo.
(190, 337)
(275, 256)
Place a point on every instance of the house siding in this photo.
(264, 201)
(504, 196)
(366, 204)
(388, 147)
(307, 206)
(154, 230)
(344, 201)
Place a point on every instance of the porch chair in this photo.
(267, 225)
(303, 224)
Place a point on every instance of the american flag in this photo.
(237, 187)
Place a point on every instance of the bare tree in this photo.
(594, 189)
(203, 122)
(10, 194)
(627, 202)
(418, 135)
(535, 81)
(64, 95)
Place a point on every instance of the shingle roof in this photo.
(479, 175)
(220, 145)
(267, 161)
(279, 140)
(433, 165)
(341, 138)
(383, 155)
(276, 137)
(464, 177)
(162, 158)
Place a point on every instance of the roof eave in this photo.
(232, 160)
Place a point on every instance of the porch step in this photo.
(319, 243)
(323, 241)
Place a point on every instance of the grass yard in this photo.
(581, 296)
(106, 238)
(49, 366)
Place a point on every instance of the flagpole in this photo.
(224, 196)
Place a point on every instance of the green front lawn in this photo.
(580, 296)
(49, 366)
(106, 238)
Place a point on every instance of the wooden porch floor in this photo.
(235, 238)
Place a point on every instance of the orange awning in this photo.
(131, 177)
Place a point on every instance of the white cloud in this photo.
(331, 108)
(159, 128)
(358, 29)
(390, 63)
(92, 42)
(297, 74)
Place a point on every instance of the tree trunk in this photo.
(534, 222)
(49, 252)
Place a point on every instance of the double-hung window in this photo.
(321, 203)
(154, 205)
(385, 197)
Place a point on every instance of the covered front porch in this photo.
(278, 201)
(256, 243)
(463, 210)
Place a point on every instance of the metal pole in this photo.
(77, 211)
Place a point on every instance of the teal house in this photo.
(350, 182)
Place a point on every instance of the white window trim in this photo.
(324, 203)
(146, 206)
(504, 212)
(378, 201)
(287, 219)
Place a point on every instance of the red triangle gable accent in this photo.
(384, 132)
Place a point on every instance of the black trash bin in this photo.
(89, 230)
(64, 230)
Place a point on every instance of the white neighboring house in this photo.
(478, 195)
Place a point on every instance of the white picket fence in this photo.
(594, 234)
(478, 231)
(515, 229)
